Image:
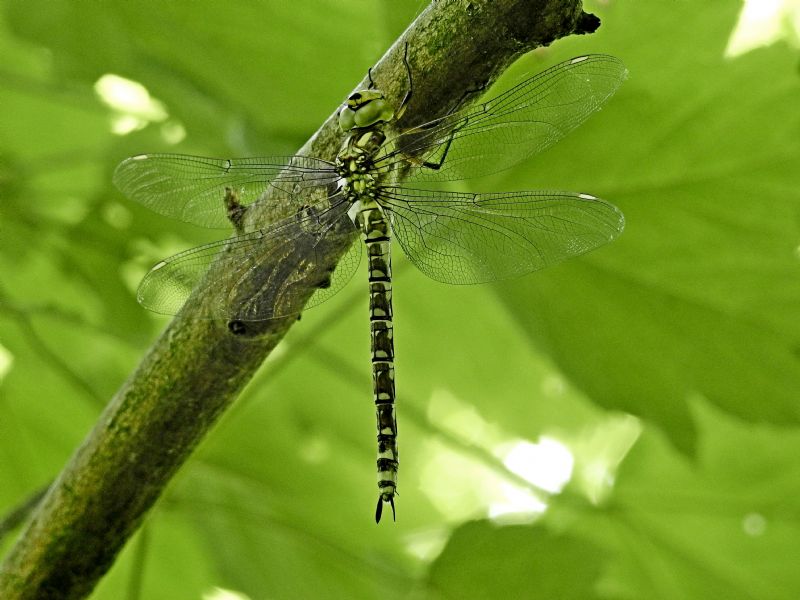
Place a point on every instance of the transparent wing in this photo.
(259, 275)
(515, 125)
(192, 188)
(345, 269)
(474, 238)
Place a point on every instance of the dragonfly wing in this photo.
(259, 275)
(517, 124)
(341, 276)
(193, 188)
(464, 238)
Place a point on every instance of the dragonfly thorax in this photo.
(356, 162)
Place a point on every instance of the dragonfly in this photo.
(371, 189)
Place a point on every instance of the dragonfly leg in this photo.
(306, 211)
(436, 165)
(476, 90)
(407, 97)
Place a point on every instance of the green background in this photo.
(667, 363)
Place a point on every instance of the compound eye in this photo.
(346, 119)
(372, 112)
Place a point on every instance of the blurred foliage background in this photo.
(623, 426)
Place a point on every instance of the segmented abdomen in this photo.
(375, 228)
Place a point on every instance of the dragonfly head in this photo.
(364, 108)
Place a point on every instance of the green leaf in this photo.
(701, 292)
(482, 560)
(724, 526)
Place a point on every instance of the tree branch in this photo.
(196, 368)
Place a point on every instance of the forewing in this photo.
(515, 125)
(259, 275)
(193, 188)
(463, 238)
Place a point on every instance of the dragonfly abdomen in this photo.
(374, 226)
